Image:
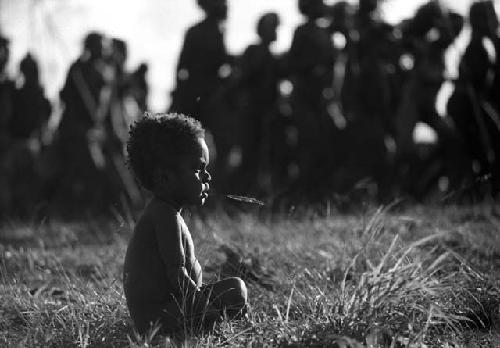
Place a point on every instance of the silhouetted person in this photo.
(202, 56)
(6, 110)
(81, 133)
(368, 99)
(81, 91)
(31, 107)
(427, 36)
(367, 87)
(311, 62)
(117, 119)
(119, 55)
(139, 87)
(6, 91)
(123, 111)
(341, 27)
(31, 113)
(258, 80)
(466, 105)
(200, 73)
(129, 91)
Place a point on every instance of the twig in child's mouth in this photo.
(246, 199)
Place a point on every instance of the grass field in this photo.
(406, 277)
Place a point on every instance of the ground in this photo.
(381, 277)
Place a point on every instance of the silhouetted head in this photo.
(29, 69)
(427, 17)
(267, 26)
(482, 18)
(93, 45)
(312, 9)
(216, 9)
(120, 51)
(340, 14)
(142, 69)
(4, 53)
(367, 7)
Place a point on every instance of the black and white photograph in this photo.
(250, 173)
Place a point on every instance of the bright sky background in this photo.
(53, 30)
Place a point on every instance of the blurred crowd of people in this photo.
(78, 166)
(334, 114)
(337, 112)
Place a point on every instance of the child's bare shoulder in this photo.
(161, 216)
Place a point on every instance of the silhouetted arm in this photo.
(169, 236)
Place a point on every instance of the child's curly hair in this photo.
(158, 141)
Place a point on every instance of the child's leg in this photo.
(148, 315)
(200, 311)
(189, 313)
(183, 315)
(228, 294)
(205, 308)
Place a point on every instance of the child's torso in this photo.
(145, 271)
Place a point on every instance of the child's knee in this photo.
(238, 291)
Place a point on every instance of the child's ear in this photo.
(163, 177)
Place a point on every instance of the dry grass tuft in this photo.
(418, 277)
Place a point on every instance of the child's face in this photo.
(191, 179)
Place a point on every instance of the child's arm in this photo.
(168, 235)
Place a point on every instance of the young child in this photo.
(162, 278)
